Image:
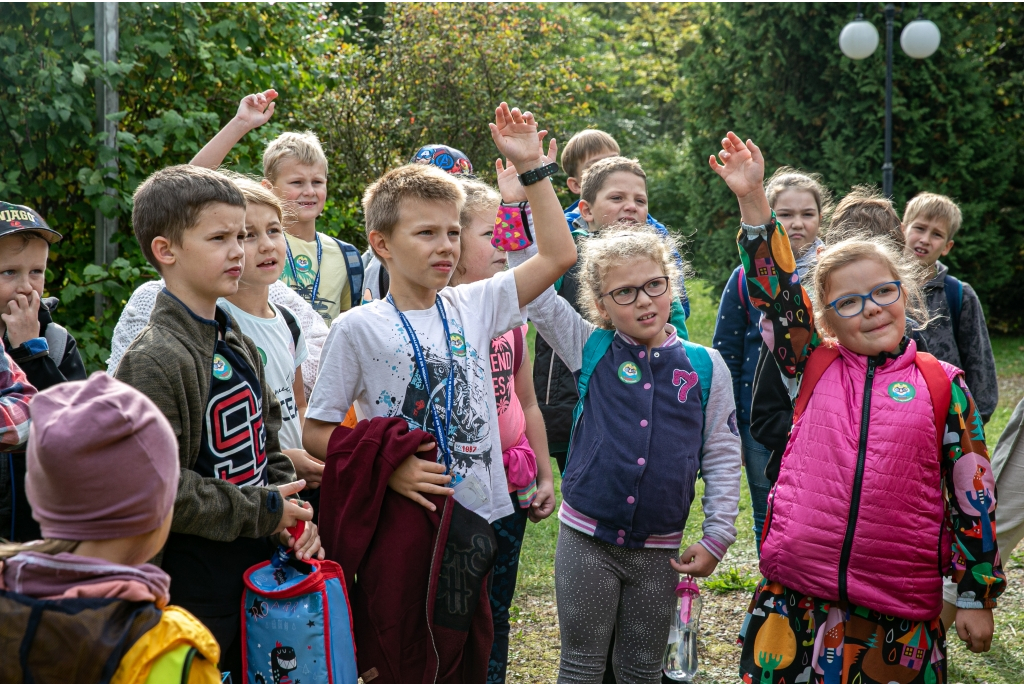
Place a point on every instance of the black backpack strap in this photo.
(293, 324)
(954, 288)
(354, 265)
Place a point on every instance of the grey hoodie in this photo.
(971, 351)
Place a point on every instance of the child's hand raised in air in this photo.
(256, 109)
(696, 561)
(511, 189)
(415, 476)
(515, 134)
(742, 169)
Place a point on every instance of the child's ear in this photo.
(379, 244)
(949, 246)
(585, 211)
(574, 185)
(599, 303)
(162, 250)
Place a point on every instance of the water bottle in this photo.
(680, 663)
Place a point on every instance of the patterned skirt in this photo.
(794, 638)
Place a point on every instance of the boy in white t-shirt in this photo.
(374, 352)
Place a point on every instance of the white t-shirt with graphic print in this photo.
(368, 362)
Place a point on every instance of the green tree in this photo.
(180, 73)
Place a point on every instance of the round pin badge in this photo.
(458, 345)
(263, 355)
(303, 263)
(901, 391)
(629, 372)
(221, 368)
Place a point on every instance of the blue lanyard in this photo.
(319, 261)
(441, 430)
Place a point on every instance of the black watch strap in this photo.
(538, 174)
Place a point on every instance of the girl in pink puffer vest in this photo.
(859, 530)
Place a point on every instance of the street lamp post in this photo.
(859, 39)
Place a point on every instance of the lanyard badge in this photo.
(442, 431)
(319, 262)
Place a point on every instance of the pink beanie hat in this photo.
(102, 461)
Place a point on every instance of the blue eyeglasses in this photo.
(851, 305)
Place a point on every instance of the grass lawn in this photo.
(534, 643)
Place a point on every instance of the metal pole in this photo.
(890, 11)
(106, 104)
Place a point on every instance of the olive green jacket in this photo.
(171, 362)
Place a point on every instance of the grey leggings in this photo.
(601, 588)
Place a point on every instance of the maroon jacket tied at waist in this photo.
(417, 579)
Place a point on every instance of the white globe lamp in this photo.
(859, 39)
(920, 39)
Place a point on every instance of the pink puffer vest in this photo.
(894, 542)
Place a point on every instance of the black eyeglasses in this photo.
(627, 295)
(852, 305)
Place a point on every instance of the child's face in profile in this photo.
(877, 328)
(623, 197)
(264, 246)
(303, 187)
(479, 259)
(644, 319)
(798, 213)
(423, 248)
(928, 239)
(22, 268)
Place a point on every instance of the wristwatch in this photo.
(538, 174)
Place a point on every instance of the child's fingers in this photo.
(426, 446)
(498, 166)
(270, 110)
(291, 488)
(270, 94)
(496, 135)
(735, 140)
(755, 152)
(420, 500)
(713, 163)
(552, 149)
(441, 480)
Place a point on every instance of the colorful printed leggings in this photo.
(602, 588)
(509, 531)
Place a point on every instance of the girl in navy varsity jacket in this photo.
(655, 409)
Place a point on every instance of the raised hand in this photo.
(515, 134)
(256, 109)
(511, 190)
(742, 166)
(23, 321)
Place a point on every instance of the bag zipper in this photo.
(858, 477)
(430, 578)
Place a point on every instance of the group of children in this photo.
(237, 376)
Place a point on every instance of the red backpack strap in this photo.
(939, 387)
(517, 348)
(821, 358)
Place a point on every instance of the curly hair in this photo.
(903, 268)
(616, 244)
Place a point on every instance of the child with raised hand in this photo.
(325, 271)
(856, 539)
(523, 440)
(88, 577)
(800, 201)
(654, 408)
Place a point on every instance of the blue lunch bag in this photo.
(296, 623)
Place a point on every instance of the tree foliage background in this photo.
(376, 82)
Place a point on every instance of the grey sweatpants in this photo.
(601, 588)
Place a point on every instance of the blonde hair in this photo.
(865, 212)
(903, 268)
(257, 194)
(584, 144)
(616, 244)
(597, 175)
(787, 178)
(481, 199)
(934, 206)
(382, 201)
(303, 147)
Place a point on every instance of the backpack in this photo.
(57, 341)
(596, 347)
(292, 322)
(934, 377)
(354, 262)
(297, 623)
(954, 288)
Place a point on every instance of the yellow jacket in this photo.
(179, 649)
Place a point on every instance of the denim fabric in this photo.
(755, 459)
(509, 532)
